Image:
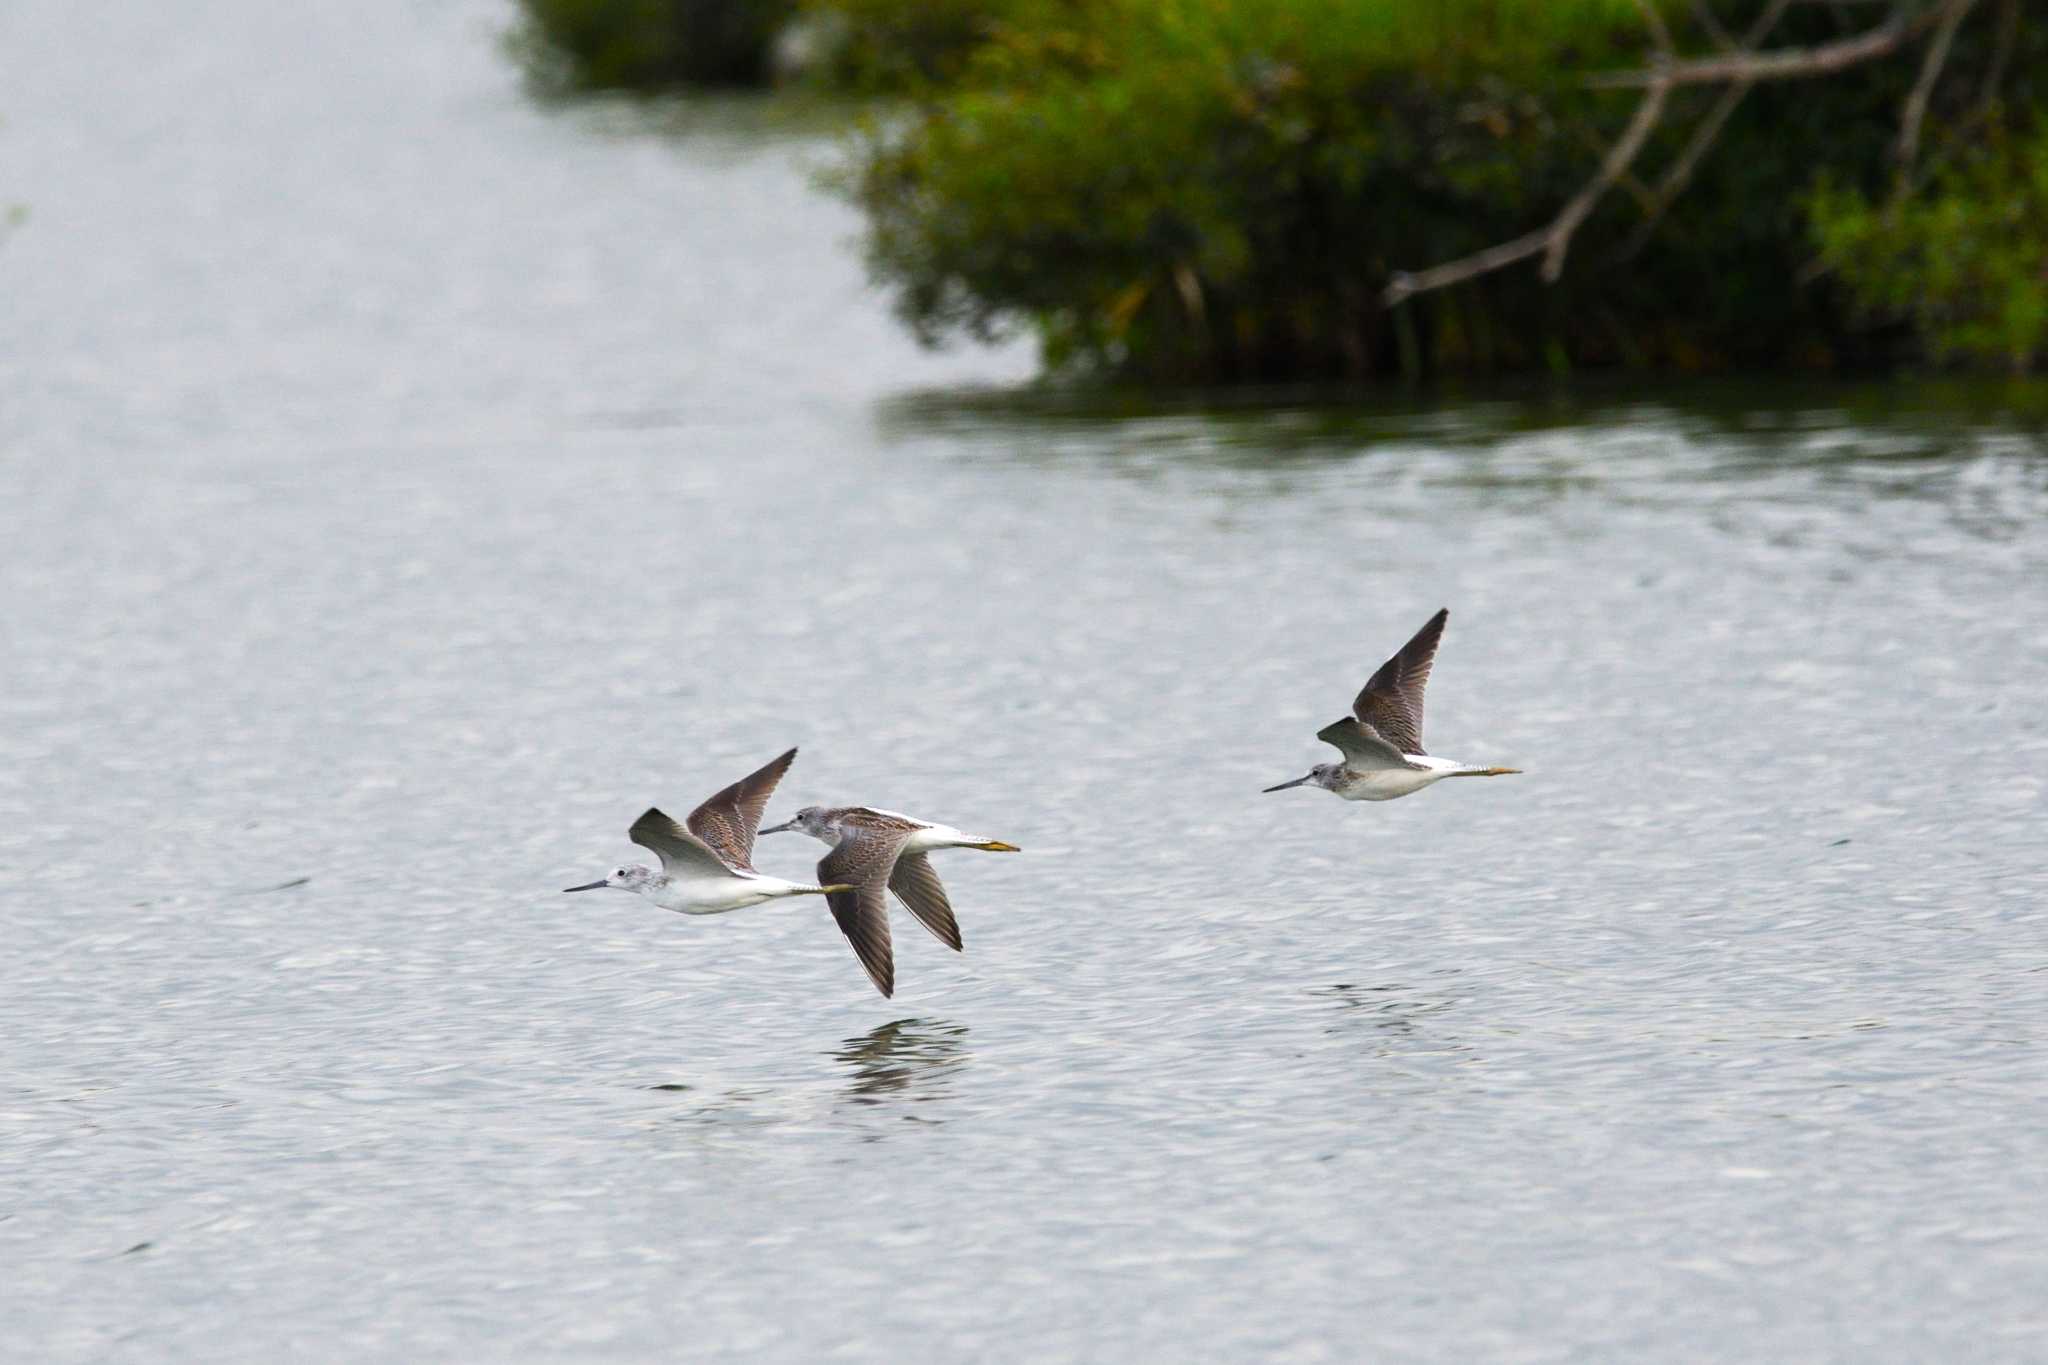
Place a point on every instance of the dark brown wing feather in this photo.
(1391, 702)
(919, 888)
(728, 820)
(682, 853)
(1363, 747)
(864, 859)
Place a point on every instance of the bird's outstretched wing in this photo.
(864, 859)
(1363, 747)
(728, 820)
(682, 853)
(1391, 701)
(919, 888)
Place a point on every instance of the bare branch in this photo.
(1680, 173)
(1405, 284)
(2008, 30)
(1659, 34)
(1554, 240)
(1740, 69)
(1915, 109)
(1779, 64)
(1618, 161)
(1722, 39)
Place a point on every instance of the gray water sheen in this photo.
(402, 485)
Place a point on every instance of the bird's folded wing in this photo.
(728, 820)
(864, 859)
(919, 888)
(1391, 701)
(682, 853)
(1363, 747)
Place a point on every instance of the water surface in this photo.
(402, 486)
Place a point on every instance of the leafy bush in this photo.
(1218, 190)
(1203, 190)
(650, 44)
(898, 45)
(1967, 262)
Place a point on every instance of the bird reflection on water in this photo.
(906, 1059)
(1395, 1009)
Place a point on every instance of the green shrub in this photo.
(1966, 262)
(1205, 190)
(650, 44)
(898, 45)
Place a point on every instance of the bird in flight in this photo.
(707, 867)
(1381, 739)
(875, 852)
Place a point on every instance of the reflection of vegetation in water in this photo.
(1773, 418)
(905, 1059)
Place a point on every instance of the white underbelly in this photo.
(934, 836)
(1384, 784)
(714, 897)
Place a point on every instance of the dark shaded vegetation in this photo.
(570, 45)
(1201, 191)
(1966, 259)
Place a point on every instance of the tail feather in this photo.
(1484, 772)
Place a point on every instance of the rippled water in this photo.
(402, 486)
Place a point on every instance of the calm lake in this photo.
(402, 485)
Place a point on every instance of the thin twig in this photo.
(1704, 12)
(1779, 64)
(1552, 241)
(1611, 170)
(1407, 283)
(1555, 240)
(1659, 34)
(1915, 110)
(1680, 174)
(2008, 30)
(1657, 81)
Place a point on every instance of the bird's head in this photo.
(628, 878)
(1322, 775)
(815, 821)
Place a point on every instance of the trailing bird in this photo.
(1381, 739)
(879, 851)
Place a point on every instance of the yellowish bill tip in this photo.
(998, 846)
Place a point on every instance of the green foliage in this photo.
(1967, 261)
(1218, 190)
(649, 44)
(1205, 190)
(898, 45)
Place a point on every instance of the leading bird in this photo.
(707, 868)
(1381, 739)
